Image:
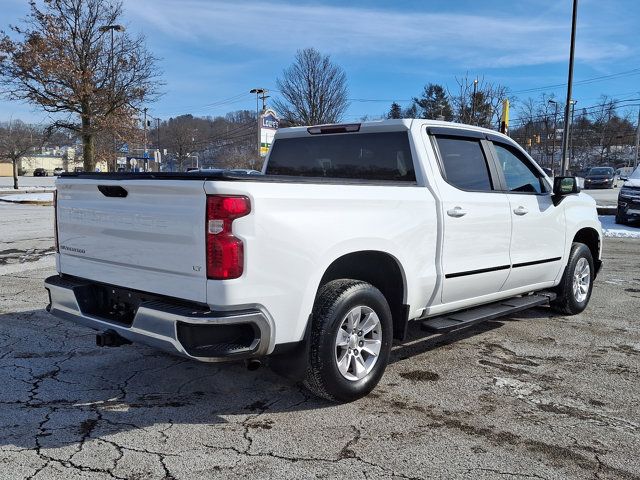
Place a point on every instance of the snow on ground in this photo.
(48, 260)
(28, 183)
(611, 229)
(28, 198)
(22, 188)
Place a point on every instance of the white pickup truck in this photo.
(352, 231)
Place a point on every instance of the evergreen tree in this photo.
(410, 112)
(395, 111)
(434, 103)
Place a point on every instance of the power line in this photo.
(609, 104)
(634, 71)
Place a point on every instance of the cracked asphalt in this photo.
(533, 396)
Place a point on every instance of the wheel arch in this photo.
(591, 238)
(383, 271)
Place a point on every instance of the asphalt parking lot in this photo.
(533, 396)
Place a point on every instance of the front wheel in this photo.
(350, 343)
(574, 290)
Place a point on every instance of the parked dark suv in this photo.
(629, 199)
(601, 177)
(40, 172)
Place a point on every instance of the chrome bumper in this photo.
(157, 323)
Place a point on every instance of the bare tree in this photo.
(65, 62)
(123, 127)
(221, 142)
(478, 102)
(313, 89)
(16, 140)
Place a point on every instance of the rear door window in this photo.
(464, 163)
(365, 156)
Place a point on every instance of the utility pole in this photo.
(567, 119)
(259, 92)
(555, 134)
(635, 160)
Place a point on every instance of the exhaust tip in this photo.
(253, 364)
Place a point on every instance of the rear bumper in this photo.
(191, 331)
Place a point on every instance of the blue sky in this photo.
(213, 52)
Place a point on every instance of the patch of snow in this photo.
(45, 262)
(611, 229)
(28, 188)
(28, 197)
(516, 387)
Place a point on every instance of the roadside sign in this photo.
(269, 123)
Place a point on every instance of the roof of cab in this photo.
(388, 125)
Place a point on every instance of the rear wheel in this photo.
(576, 285)
(351, 335)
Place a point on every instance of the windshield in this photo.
(601, 171)
(636, 174)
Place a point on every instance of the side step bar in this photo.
(465, 318)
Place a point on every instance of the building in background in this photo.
(49, 159)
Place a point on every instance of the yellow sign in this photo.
(504, 124)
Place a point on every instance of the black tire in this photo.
(620, 220)
(334, 301)
(566, 302)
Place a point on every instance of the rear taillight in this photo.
(55, 220)
(225, 253)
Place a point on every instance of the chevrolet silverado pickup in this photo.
(351, 231)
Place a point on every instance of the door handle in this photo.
(521, 210)
(457, 212)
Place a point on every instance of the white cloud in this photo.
(466, 40)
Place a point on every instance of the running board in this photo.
(465, 318)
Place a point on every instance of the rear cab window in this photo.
(383, 156)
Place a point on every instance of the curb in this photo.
(607, 210)
(28, 202)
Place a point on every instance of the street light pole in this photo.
(259, 92)
(473, 101)
(573, 110)
(146, 163)
(565, 136)
(112, 74)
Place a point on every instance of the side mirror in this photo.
(565, 186)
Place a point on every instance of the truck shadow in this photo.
(59, 389)
(418, 341)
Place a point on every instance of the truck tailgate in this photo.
(152, 239)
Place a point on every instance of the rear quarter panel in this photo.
(295, 231)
